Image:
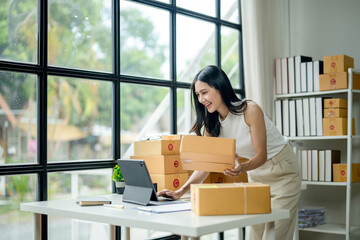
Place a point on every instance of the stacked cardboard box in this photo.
(335, 73)
(335, 117)
(208, 154)
(163, 161)
(230, 198)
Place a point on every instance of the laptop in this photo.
(139, 188)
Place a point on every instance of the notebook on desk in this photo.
(139, 188)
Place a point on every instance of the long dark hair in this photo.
(215, 77)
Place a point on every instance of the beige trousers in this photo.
(282, 173)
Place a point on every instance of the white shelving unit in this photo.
(341, 199)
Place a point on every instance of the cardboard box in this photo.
(157, 147)
(222, 178)
(339, 80)
(230, 198)
(337, 63)
(162, 164)
(210, 154)
(169, 181)
(340, 172)
(335, 113)
(335, 103)
(336, 126)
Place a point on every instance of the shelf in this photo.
(332, 228)
(308, 94)
(324, 183)
(319, 138)
(322, 137)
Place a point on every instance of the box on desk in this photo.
(335, 113)
(337, 63)
(207, 153)
(339, 80)
(168, 145)
(162, 164)
(335, 103)
(169, 181)
(336, 126)
(230, 198)
(340, 172)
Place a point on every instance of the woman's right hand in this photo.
(169, 194)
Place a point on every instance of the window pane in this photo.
(79, 33)
(185, 115)
(144, 112)
(16, 189)
(195, 46)
(201, 6)
(71, 185)
(79, 119)
(144, 41)
(230, 54)
(18, 113)
(18, 30)
(230, 10)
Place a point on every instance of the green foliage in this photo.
(117, 175)
(20, 186)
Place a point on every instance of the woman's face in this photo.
(209, 97)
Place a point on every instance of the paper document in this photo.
(167, 208)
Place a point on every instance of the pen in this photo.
(114, 206)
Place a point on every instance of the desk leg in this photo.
(37, 220)
(270, 231)
(112, 235)
(189, 238)
(126, 231)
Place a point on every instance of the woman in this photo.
(220, 113)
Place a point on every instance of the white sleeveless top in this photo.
(234, 126)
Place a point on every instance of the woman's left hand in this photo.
(236, 170)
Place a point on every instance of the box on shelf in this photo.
(340, 172)
(336, 126)
(335, 113)
(169, 181)
(230, 198)
(335, 103)
(168, 145)
(162, 164)
(337, 63)
(338, 80)
(209, 154)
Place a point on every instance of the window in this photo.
(80, 82)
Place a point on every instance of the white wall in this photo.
(321, 28)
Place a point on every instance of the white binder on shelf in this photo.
(312, 108)
(291, 74)
(299, 117)
(304, 163)
(319, 116)
(284, 76)
(292, 117)
(303, 77)
(322, 165)
(318, 69)
(278, 116)
(306, 116)
(314, 165)
(278, 83)
(309, 76)
(285, 111)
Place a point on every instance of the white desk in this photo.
(187, 224)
